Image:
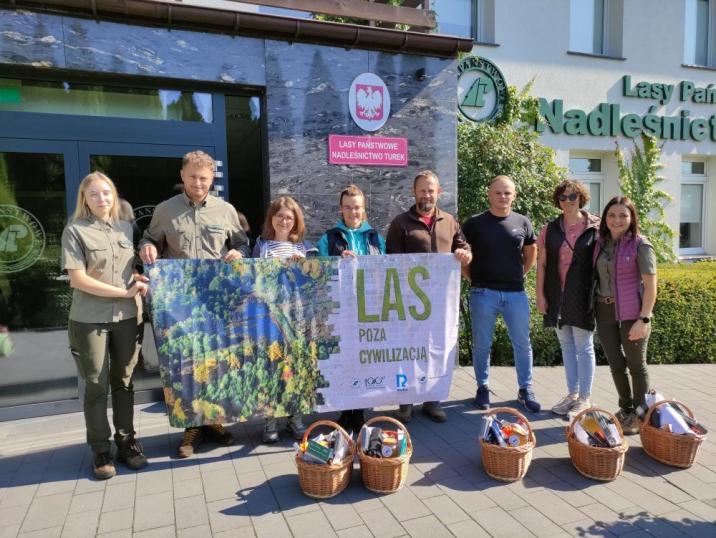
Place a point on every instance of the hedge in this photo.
(683, 331)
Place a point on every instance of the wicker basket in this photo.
(508, 463)
(384, 475)
(596, 462)
(669, 448)
(325, 481)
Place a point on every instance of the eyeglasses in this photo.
(287, 218)
(571, 197)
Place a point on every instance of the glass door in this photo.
(145, 175)
(35, 363)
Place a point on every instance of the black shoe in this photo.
(527, 398)
(102, 466)
(131, 453)
(482, 398)
(218, 434)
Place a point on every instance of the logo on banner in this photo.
(369, 101)
(144, 212)
(22, 239)
(481, 89)
(422, 379)
(377, 382)
(401, 382)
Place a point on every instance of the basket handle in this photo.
(647, 417)
(329, 423)
(397, 423)
(570, 429)
(514, 412)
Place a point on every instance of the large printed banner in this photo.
(275, 337)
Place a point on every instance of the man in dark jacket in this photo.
(425, 228)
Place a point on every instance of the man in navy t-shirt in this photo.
(504, 250)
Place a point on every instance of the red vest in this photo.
(626, 281)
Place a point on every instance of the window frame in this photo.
(612, 32)
(590, 177)
(695, 179)
(710, 37)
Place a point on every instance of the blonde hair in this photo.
(82, 210)
(198, 158)
(352, 190)
(299, 228)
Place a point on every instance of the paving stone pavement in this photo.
(248, 489)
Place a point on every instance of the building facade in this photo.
(128, 88)
(606, 70)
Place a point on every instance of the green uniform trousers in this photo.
(621, 354)
(105, 354)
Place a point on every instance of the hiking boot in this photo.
(405, 413)
(630, 424)
(434, 411)
(482, 398)
(580, 404)
(131, 453)
(218, 434)
(102, 466)
(190, 442)
(563, 406)
(527, 398)
(270, 433)
(621, 415)
(295, 427)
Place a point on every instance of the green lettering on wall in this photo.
(553, 115)
(419, 293)
(631, 125)
(575, 122)
(360, 292)
(392, 296)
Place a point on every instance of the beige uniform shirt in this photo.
(106, 253)
(182, 229)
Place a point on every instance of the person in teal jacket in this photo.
(351, 236)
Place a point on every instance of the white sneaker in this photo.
(563, 406)
(580, 405)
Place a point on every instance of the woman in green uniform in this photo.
(98, 254)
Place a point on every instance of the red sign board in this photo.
(367, 150)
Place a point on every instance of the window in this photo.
(466, 18)
(54, 97)
(691, 210)
(595, 27)
(588, 170)
(698, 25)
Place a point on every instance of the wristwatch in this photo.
(646, 319)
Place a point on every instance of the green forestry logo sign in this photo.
(481, 89)
(22, 239)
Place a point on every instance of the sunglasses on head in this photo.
(571, 197)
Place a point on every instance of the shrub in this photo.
(684, 325)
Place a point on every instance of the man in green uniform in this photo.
(196, 225)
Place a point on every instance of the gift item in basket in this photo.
(324, 461)
(670, 434)
(600, 429)
(384, 455)
(504, 433)
(596, 444)
(506, 445)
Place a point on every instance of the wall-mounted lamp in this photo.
(421, 74)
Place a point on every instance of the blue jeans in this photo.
(578, 358)
(485, 305)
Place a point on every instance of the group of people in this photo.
(585, 269)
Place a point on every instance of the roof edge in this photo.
(176, 15)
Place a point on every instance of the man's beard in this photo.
(426, 207)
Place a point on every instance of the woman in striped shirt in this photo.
(282, 237)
